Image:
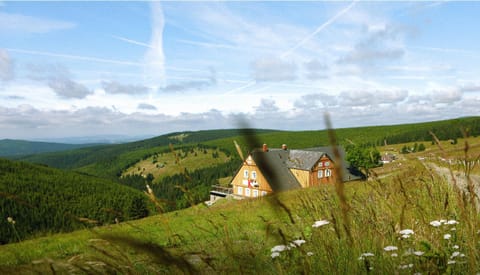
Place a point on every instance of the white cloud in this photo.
(146, 106)
(29, 24)
(155, 57)
(6, 66)
(114, 87)
(446, 95)
(316, 69)
(274, 69)
(377, 46)
(315, 102)
(59, 79)
(197, 84)
(67, 88)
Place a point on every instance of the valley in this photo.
(181, 234)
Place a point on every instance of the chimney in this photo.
(265, 148)
(284, 147)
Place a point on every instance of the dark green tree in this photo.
(421, 147)
(364, 158)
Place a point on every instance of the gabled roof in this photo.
(303, 159)
(348, 172)
(273, 166)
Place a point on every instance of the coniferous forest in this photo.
(35, 200)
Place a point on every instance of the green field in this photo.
(422, 191)
(171, 163)
(363, 235)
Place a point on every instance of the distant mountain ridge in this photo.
(108, 160)
(13, 147)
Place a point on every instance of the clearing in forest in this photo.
(165, 164)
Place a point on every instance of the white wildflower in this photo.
(462, 255)
(456, 247)
(405, 266)
(455, 254)
(451, 262)
(309, 254)
(297, 243)
(390, 248)
(447, 236)
(453, 229)
(275, 254)
(451, 222)
(394, 255)
(320, 223)
(366, 254)
(419, 253)
(443, 221)
(435, 223)
(279, 248)
(11, 220)
(406, 232)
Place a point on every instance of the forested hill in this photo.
(35, 200)
(11, 147)
(369, 136)
(109, 160)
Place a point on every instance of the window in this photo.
(245, 182)
(247, 192)
(320, 174)
(328, 173)
(264, 193)
(326, 163)
(245, 173)
(255, 193)
(254, 174)
(240, 190)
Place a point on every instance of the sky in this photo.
(148, 68)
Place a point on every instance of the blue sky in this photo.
(148, 68)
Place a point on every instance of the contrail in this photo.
(77, 57)
(132, 41)
(319, 29)
(301, 43)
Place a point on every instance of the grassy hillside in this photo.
(413, 222)
(170, 163)
(43, 200)
(15, 148)
(110, 160)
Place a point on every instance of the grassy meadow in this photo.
(418, 214)
(412, 222)
(171, 163)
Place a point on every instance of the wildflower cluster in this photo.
(276, 250)
(406, 233)
(449, 226)
(280, 248)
